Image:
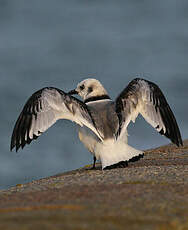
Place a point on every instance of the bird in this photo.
(102, 122)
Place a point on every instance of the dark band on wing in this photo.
(160, 104)
(34, 105)
(120, 104)
(168, 118)
(23, 124)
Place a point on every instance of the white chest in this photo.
(89, 139)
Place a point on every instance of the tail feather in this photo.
(136, 158)
(113, 152)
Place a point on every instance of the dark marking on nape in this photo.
(82, 87)
(97, 98)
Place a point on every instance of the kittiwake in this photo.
(102, 122)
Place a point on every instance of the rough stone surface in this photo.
(149, 194)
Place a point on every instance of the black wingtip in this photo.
(12, 144)
(17, 147)
(179, 143)
(11, 148)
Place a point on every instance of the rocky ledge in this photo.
(148, 194)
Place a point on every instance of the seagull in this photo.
(102, 122)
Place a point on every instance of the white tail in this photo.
(112, 152)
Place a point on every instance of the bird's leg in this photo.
(94, 161)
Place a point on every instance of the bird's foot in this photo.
(92, 168)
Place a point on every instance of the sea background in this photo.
(59, 43)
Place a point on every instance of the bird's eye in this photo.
(82, 87)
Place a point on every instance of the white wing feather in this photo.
(43, 109)
(145, 98)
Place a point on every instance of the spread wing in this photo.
(144, 97)
(43, 109)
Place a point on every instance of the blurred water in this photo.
(59, 43)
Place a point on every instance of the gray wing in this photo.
(144, 97)
(43, 109)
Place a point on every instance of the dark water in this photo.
(59, 43)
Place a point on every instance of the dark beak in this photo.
(72, 92)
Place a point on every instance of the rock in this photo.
(148, 194)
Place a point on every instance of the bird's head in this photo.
(89, 88)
